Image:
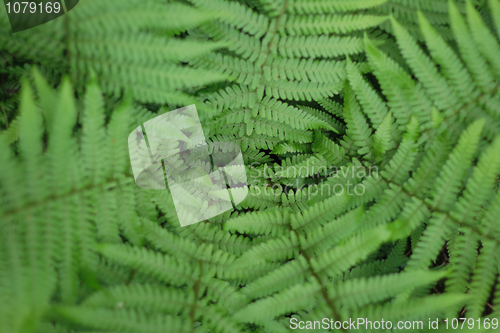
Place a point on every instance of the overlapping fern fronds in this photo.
(396, 103)
(133, 46)
(60, 200)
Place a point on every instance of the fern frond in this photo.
(402, 162)
(161, 267)
(480, 186)
(239, 42)
(327, 24)
(286, 275)
(273, 109)
(317, 46)
(488, 44)
(332, 152)
(151, 297)
(356, 293)
(382, 140)
(463, 259)
(121, 320)
(292, 148)
(469, 50)
(431, 242)
(232, 97)
(406, 98)
(304, 69)
(421, 181)
(328, 235)
(448, 60)
(331, 106)
(237, 15)
(300, 90)
(320, 96)
(357, 126)
(227, 242)
(139, 296)
(387, 207)
(372, 104)
(265, 222)
(424, 69)
(291, 299)
(319, 213)
(448, 184)
(319, 7)
(419, 308)
(275, 249)
(483, 279)
(355, 249)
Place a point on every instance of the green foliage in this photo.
(371, 134)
